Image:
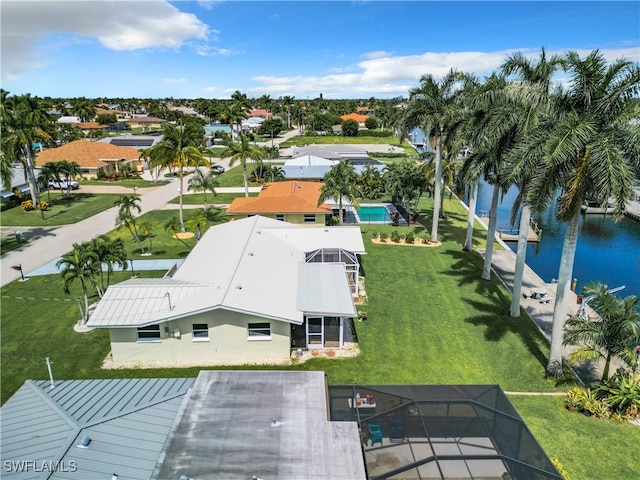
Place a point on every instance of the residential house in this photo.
(249, 292)
(330, 152)
(146, 123)
(93, 157)
(312, 168)
(357, 117)
(19, 184)
(258, 424)
(290, 201)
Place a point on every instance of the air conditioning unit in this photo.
(175, 333)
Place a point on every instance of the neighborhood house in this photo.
(249, 292)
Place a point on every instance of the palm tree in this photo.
(23, 121)
(531, 95)
(70, 171)
(435, 107)
(109, 253)
(371, 182)
(404, 180)
(233, 113)
(180, 147)
(243, 151)
(125, 219)
(589, 143)
(614, 334)
(340, 183)
(79, 265)
(492, 127)
(203, 182)
(48, 172)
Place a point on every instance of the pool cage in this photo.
(440, 432)
(338, 255)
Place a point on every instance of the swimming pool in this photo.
(376, 213)
(219, 127)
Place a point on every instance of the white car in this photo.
(63, 184)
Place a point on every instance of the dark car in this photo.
(217, 169)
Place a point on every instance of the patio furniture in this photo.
(397, 431)
(375, 434)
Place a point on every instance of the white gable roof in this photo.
(249, 265)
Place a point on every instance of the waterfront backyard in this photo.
(430, 320)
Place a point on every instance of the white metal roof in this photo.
(309, 160)
(323, 288)
(249, 265)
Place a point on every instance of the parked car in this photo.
(63, 184)
(217, 169)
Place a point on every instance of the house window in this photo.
(200, 332)
(259, 331)
(309, 218)
(280, 216)
(149, 334)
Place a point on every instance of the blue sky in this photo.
(359, 49)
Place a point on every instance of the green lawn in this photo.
(9, 243)
(233, 177)
(127, 183)
(198, 198)
(302, 141)
(430, 320)
(587, 448)
(62, 211)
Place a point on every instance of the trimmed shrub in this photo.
(410, 237)
(395, 236)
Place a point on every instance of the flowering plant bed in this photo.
(418, 242)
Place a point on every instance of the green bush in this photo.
(395, 236)
(426, 238)
(384, 236)
(620, 392)
(374, 133)
(410, 237)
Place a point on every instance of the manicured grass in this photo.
(127, 183)
(163, 245)
(588, 448)
(9, 243)
(302, 141)
(233, 177)
(62, 211)
(198, 198)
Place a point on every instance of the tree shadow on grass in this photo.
(491, 315)
(468, 267)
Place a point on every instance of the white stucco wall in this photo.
(228, 342)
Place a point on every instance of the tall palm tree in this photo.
(203, 182)
(590, 147)
(614, 334)
(180, 147)
(70, 170)
(340, 184)
(125, 218)
(79, 265)
(434, 107)
(492, 127)
(48, 172)
(242, 151)
(531, 95)
(404, 180)
(23, 121)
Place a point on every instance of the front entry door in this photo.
(315, 332)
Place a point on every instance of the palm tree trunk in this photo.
(246, 180)
(491, 234)
(436, 191)
(605, 371)
(521, 256)
(471, 218)
(554, 367)
(182, 229)
(340, 219)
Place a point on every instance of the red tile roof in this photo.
(87, 153)
(282, 197)
(354, 116)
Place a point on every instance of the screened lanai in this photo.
(338, 255)
(440, 432)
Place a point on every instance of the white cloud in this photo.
(384, 74)
(210, 89)
(126, 25)
(174, 80)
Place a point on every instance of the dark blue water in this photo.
(607, 252)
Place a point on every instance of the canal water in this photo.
(607, 252)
